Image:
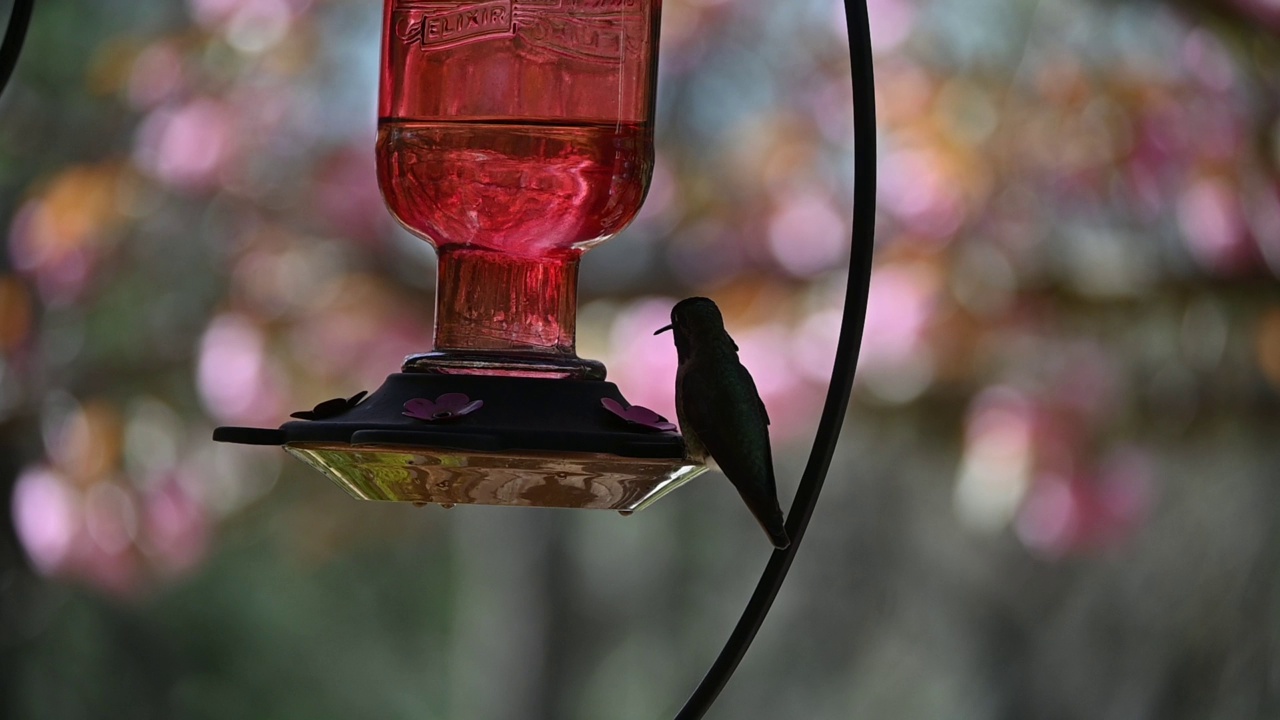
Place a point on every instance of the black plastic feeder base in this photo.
(531, 442)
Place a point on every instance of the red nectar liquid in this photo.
(533, 190)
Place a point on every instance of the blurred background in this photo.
(1056, 496)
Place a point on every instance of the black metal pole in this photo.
(833, 412)
(14, 35)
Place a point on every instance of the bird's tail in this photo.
(775, 527)
(765, 509)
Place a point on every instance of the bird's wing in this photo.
(731, 424)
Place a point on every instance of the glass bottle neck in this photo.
(498, 313)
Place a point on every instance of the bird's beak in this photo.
(661, 330)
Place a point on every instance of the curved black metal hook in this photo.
(14, 35)
(846, 360)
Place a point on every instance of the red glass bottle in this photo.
(512, 136)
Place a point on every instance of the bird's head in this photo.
(696, 322)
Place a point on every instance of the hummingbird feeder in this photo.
(513, 135)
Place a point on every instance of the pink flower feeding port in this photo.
(449, 406)
(330, 408)
(638, 416)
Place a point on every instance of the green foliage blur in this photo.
(1056, 496)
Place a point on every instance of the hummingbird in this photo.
(720, 412)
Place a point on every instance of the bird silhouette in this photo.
(720, 412)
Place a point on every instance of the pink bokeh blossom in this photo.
(108, 535)
(186, 146)
(1084, 512)
(238, 381)
(1213, 226)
